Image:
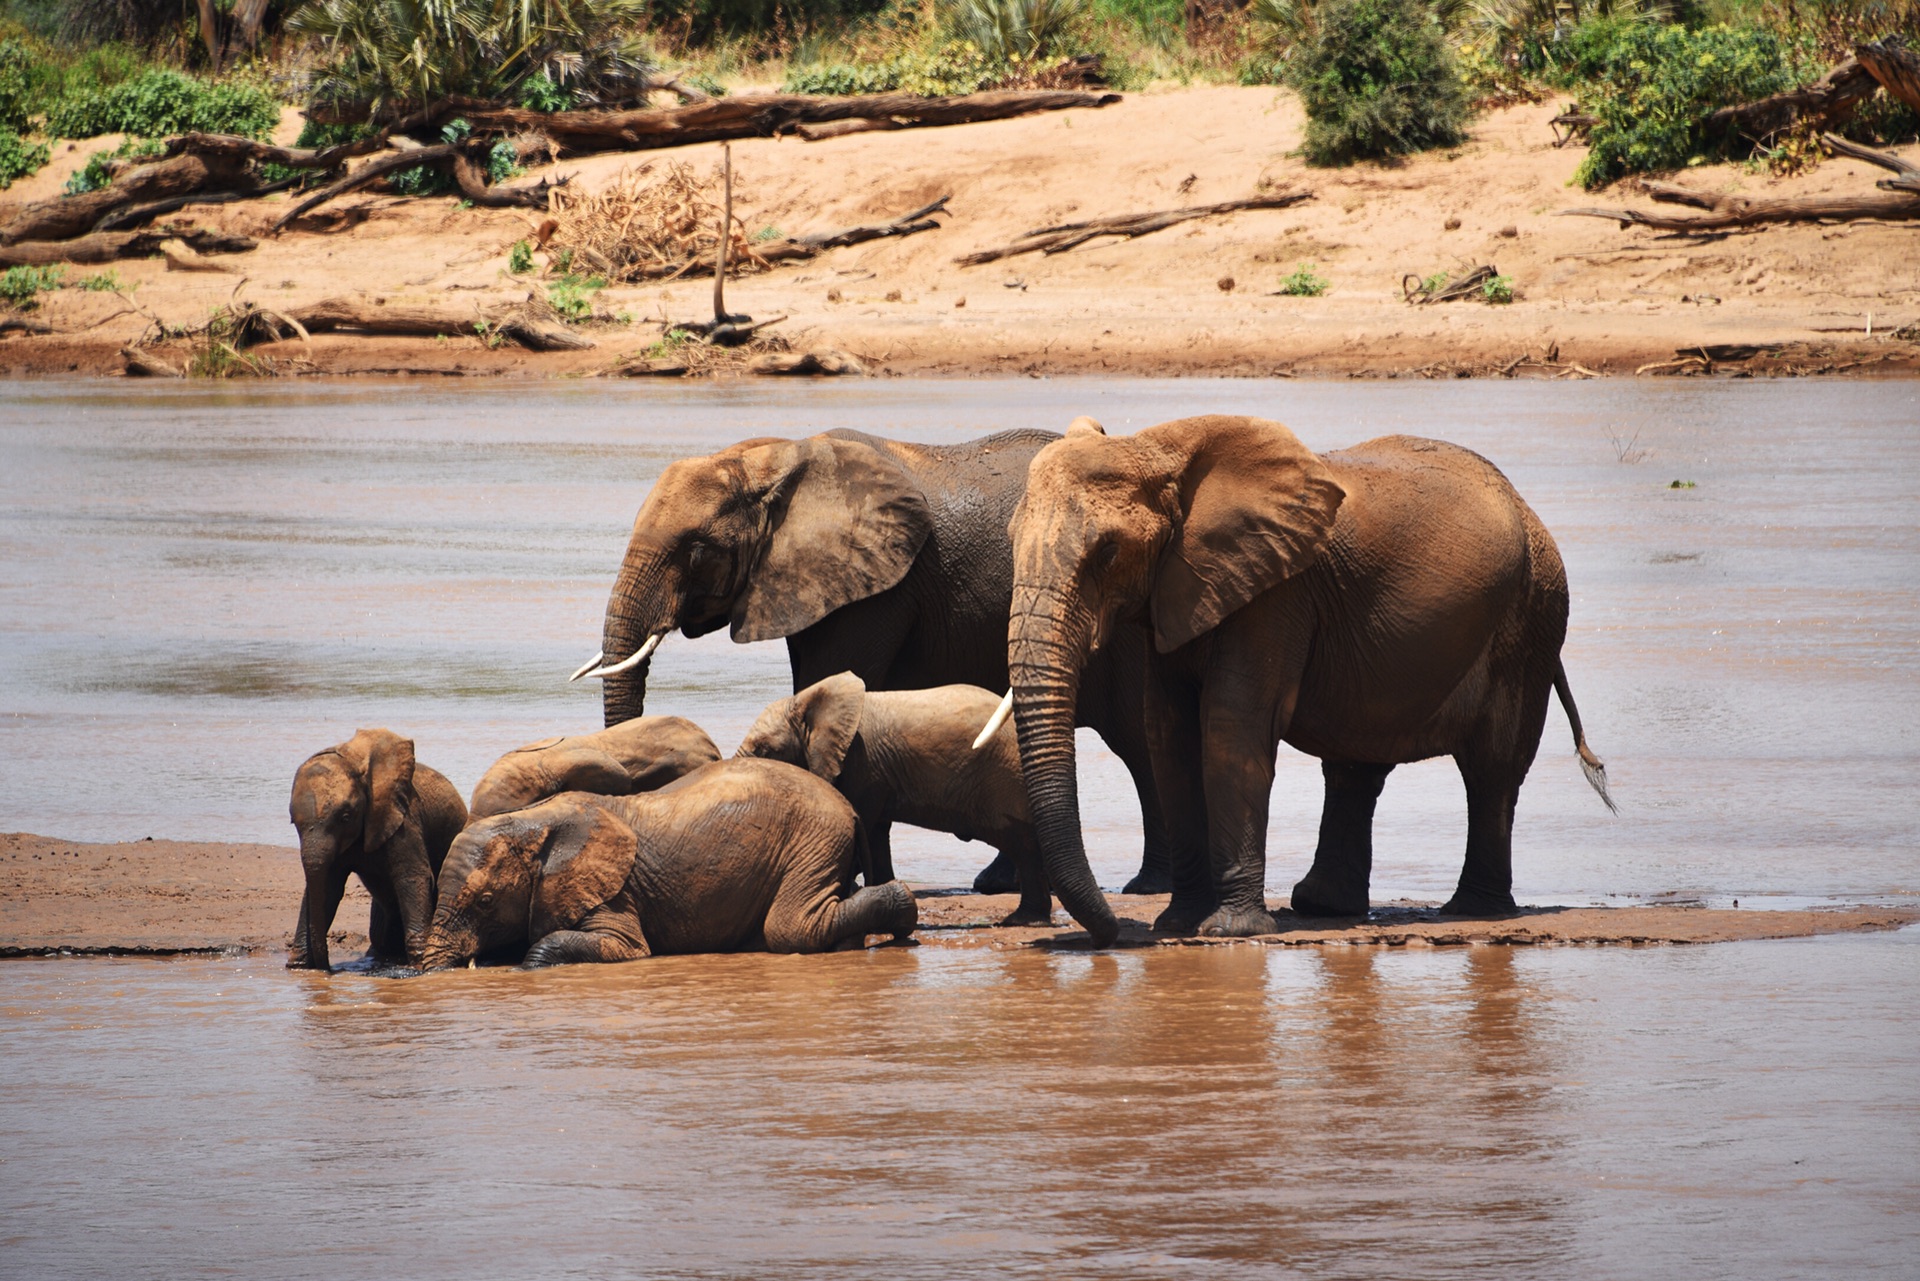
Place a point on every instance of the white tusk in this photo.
(587, 666)
(632, 661)
(995, 721)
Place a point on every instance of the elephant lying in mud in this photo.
(878, 557)
(1376, 605)
(736, 856)
(907, 756)
(367, 808)
(639, 755)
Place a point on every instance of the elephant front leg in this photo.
(1156, 854)
(582, 947)
(880, 909)
(1238, 759)
(1337, 883)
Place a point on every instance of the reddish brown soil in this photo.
(159, 897)
(1589, 293)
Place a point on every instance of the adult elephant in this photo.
(877, 557)
(1381, 604)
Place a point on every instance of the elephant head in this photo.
(347, 801)
(530, 774)
(767, 537)
(1183, 523)
(813, 729)
(513, 879)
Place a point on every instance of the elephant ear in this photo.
(1255, 507)
(589, 855)
(844, 523)
(829, 713)
(389, 775)
(588, 769)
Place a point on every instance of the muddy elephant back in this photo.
(442, 813)
(656, 750)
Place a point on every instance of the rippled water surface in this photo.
(199, 587)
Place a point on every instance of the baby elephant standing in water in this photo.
(639, 755)
(736, 856)
(365, 807)
(908, 756)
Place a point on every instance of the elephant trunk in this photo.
(452, 941)
(316, 858)
(634, 612)
(1045, 654)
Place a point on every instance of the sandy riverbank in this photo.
(1588, 293)
(163, 897)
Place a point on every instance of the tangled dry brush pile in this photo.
(654, 222)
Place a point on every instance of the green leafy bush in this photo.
(159, 102)
(1376, 79)
(17, 87)
(1303, 283)
(540, 93)
(520, 257)
(22, 285)
(19, 158)
(1652, 88)
(96, 173)
(572, 296)
(1497, 289)
(948, 69)
(104, 283)
(1005, 29)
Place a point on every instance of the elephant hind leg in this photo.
(810, 913)
(1337, 883)
(1486, 879)
(881, 909)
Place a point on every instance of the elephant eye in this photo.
(486, 898)
(1108, 553)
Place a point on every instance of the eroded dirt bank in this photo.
(159, 897)
(1590, 296)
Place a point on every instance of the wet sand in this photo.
(155, 897)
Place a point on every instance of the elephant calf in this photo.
(637, 755)
(907, 756)
(736, 856)
(365, 807)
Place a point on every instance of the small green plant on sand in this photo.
(667, 344)
(1497, 289)
(765, 234)
(572, 296)
(22, 286)
(1302, 283)
(520, 257)
(1435, 283)
(106, 282)
(20, 158)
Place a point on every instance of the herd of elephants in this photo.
(1197, 593)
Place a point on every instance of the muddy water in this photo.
(199, 587)
(1738, 1111)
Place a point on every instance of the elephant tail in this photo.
(1592, 766)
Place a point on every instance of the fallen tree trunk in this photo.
(236, 150)
(468, 178)
(1900, 204)
(1895, 66)
(65, 217)
(1053, 240)
(132, 215)
(108, 246)
(354, 314)
(760, 116)
(1827, 99)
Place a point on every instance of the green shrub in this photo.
(19, 158)
(540, 93)
(158, 102)
(22, 285)
(104, 283)
(949, 69)
(96, 173)
(1161, 21)
(1302, 283)
(1652, 88)
(17, 85)
(520, 257)
(1376, 79)
(1004, 29)
(1497, 289)
(572, 296)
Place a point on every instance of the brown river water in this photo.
(199, 586)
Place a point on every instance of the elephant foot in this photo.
(1182, 919)
(1474, 903)
(998, 877)
(1149, 880)
(1313, 897)
(895, 909)
(1029, 914)
(1239, 923)
(307, 963)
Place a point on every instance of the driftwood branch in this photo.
(757, 116)
(1723, 212)
(364, 316)
(1885, 159)
(134, 215)
(1895, 66)
(108, 246)
(801, 247)
(237, 150)
(1831, 97)
(466, 176)
(1414, 290)
(1053, 240)
(64, 217)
